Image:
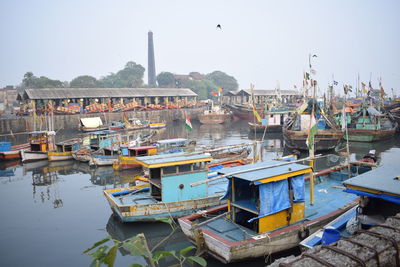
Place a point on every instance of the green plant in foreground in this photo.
(137, 246)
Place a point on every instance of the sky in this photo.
(266, 43)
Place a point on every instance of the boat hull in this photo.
(83, 157)
(33, 155)
(213, 118)
(267, 128)
(324, 140)
(102, 160)
(10, 155)
(126, 162)
(257, 246)
(364, 135)
(156, 210)
(57, 156)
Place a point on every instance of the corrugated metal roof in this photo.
(173, 140)
(175, 157)
(255, 175)
(65, 93)
(381, 179)
(262, 92)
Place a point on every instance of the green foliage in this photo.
(137, 246)
(129, 77)
(166, 79)
(84, 81)
(202, 88)
(223, 80)
(31, 81)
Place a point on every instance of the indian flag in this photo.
(313, 131)
(188, 124)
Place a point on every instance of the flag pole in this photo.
(311, 151)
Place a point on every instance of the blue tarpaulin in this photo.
(297, 184)
(390, 198)
(274, 197)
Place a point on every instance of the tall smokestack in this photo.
(151, 70)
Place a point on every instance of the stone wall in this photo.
(25, 124)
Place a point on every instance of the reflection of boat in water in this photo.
(34, 166)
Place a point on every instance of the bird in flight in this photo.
(219, 26)
(314, 56)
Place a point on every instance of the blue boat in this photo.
(269, 209)
(169, 193)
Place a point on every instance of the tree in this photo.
(223, 80)
(28, 79)
(131, 76)
(31, 81)
(84, 81)
(166, 79)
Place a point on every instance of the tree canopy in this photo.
(31, 81)
(223, 80)
(166, 79)
(84, 81)
(129, 77)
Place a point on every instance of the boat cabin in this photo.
(170, 175)
(263, 197)
(42, 141)
(275, 118)
(101, 139)
(139, 151)
(68, 146)
(379, 192)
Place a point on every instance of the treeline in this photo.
(131, 76)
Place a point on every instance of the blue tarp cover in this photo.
(297, 184)
(274, 197)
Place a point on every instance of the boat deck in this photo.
(327, 199)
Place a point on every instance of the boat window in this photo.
(185, 168)
(198, 166)
(142, 152)
(169, 170)
(155, 173)
(59, 149)
(68, 148)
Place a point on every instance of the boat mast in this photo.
(311, 149)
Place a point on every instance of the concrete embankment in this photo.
(26, 124)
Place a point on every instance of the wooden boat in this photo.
(116, 126)
(129, 154)
(106, 156)
(135, 124)
(227, 153)
(215, 114)
(64, 149)
(9, 152)
(174, 145)
(369, 125)
(244, 112)
(170, 193)
(157, 125)
(41, 142)
(272, 122)
(268, 210)
(92, 124)
(296, 129)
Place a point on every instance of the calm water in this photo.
(51, 212)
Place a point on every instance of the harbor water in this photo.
(52, 212)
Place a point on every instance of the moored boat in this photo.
(215, 114)
(170, 193)
(157, 125)
(273, 122)
(9, 152)
(41, 142)
(268, 210)
(297, 128)
(64, 149)
(129, 154)
(92, 124)
(105, 156)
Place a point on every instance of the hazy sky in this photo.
(261, 42)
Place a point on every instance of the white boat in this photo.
(40, 143)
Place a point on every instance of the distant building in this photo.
(8, 95)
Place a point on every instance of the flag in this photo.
(344, 122)
(220, 90)
(363, 88)
(295, 87)
(335, 83)
(307, 76)
(382, 91)
(313, 72)
(312, 132)
(370, 86)
(188, 124)
(214, 93)
(256, 114)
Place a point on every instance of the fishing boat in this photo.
(129, 154)
(116, 126)
(105, 156)
(157, 125)
(273, 122)
(368, 124)
(214, 114)
(296, 128)
(135, 124)
(9, 152)
(41, 142)
(170, 193)
(268, 210)
(64, 149)
(175, 145)
(228, 152)
(92, 124)
(244, 112)
(94, 141)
